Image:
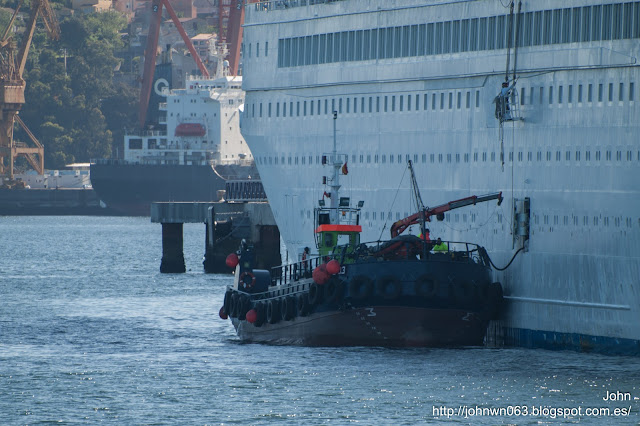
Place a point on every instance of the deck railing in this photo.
(267, 5)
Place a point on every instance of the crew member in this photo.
(440, 247)
(305, 261)
(425, 236)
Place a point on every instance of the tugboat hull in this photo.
(389, 326)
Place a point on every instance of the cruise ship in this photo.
(534, 98)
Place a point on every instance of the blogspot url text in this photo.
(465, 411)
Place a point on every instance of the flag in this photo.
(326, 194)
(345, 170)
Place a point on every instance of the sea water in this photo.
(90, 332)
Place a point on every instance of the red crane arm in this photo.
(400, 226)
(152, 49)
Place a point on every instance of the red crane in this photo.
(438, 211)
(151, 50)
(424, 213)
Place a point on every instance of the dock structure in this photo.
(226, 225)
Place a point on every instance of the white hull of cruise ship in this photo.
(574, 153)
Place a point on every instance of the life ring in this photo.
(242, 282)
(334, 290)
(273, 311)
(287, 308)
(315, 294)
(360, 287)
(303, 305)
(426, 286)
(389, 287)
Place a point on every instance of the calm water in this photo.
(91, 332)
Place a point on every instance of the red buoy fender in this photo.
(247, 280)
(232, 260)
(223, 314)
(252, 316)
(333, 267)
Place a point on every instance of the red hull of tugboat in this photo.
(390, 326)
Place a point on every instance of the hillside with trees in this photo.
(73, 106)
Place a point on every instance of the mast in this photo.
(335, 182)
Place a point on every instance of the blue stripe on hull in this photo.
(570, 341)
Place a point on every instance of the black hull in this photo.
(131, 188)
(389, 326)
(439, 302)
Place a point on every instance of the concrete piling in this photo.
(226, 225)
(172, 249)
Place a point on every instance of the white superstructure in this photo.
(417, 80)
(202, 122)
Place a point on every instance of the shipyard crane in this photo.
(12, 86)
(152, 49)
(424, 213)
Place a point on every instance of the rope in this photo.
(393, 202)
(508, 264)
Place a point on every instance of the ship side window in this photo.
(401, 103)
(442, 100)
(621, 92)
(450, 100)
(439, 158)
(257, 50)
(348, 104)
(311, 110)
(631, 89)
(560, 91)
(298, 109)
(333, 105)
(393, 103)
(269, 113)
(557, 155)
(466, 157)
(590, 93)
(610, 92)
(425, 100)
(290, 109)
(340, 105)
(277, 109)
(304, 108)
(418, 102)
(424, 158)
(477, 99)
(550, 95)
(468, 100)
(579, 93)
(326, 106)
(361, 105)
(522, 96)
(600, 92)
(266, 48)
(284, 109)
(375, 158)
(384, 158)
(377, 103)
(493, 157)
(368, 158)
(459, 105)
(370, 104)
(399, 159)
(391, 158)
(570, 94)
(361, 158)
(260, 109)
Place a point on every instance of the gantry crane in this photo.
(12, 87)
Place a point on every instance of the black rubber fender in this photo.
(360, 287)
(389, 287)
(426, 286)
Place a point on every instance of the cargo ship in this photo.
(534, 97)
(193, 154)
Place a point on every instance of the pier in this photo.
(226, 225)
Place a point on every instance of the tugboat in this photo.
(400, 293)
